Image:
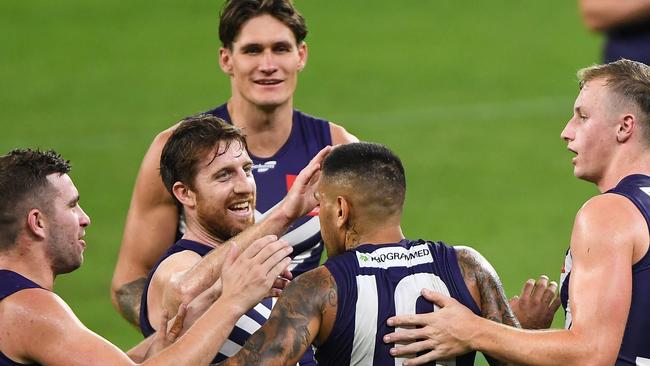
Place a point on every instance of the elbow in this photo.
(595, 23)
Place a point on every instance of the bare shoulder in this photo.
(608, 223)
(340, 135)
(485, 286)
(33, 318)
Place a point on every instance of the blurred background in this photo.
(471, 95)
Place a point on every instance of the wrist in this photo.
(282, 217)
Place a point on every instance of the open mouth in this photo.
(268, 82)
(243, 208)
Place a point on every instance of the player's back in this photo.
(375, 282)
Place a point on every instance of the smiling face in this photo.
(591, 132)
(224, 191)
(66, 226)
(263, 62)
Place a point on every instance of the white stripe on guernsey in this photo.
(300, 258)
(247, 324)
(298, 235)
(407, 293)
(263, 310)
(640, 361)
(229, 348)
(365, 322)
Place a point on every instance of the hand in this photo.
(280, 283)
(537, 303)
(444, 333)
(301, 198)
(164, 337)
(248, 277)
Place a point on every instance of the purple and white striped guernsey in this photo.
(635, 349)
(10, 283)
(245, 326)
(275, 175)
(375, 282)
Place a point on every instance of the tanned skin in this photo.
(306, 311)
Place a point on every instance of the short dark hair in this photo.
(23, 186)
(194, 137)
(372, 169)
(237, 12)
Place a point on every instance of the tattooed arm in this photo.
(304, 314)
(486, 290)
(128, 299)
(485, 286)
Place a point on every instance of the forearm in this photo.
(139, 351)
(202, 341)
(189, 284)
(535, 347)
(605, 14)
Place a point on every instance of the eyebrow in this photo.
(74, 200)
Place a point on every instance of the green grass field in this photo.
(471, 95)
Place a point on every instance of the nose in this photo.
(567, 132)
(84, 220)
(245, 183)
(268, 65)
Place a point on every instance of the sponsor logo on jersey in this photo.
(395, 257)
(265, 167)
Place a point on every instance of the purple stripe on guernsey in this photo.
(275, 174)
(635, 348)
(246, 325)
(375, 282)
(10, 283)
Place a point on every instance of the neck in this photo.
(29, 263)
(196, 232)
(374, 235)
(624, 164)
(266, 129)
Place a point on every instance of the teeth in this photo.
(240, 206)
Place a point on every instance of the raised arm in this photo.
(150, 229)
(304, 315)
(605, 232)
(601, 15)
(299, 200)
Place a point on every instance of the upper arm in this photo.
(164, 291)
(151, 222)
(604, 234)
(304, 313)
(485, 286)
(600, 15)
(340, 135)
(44, 330)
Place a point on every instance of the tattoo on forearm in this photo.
(494, 304)
(286, 335)
(128, 300)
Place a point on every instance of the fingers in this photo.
(405, 335)
(164, 319)
(257, 246)
(423, 359)
(287, 274)
(177, 326)
(540, 286)
(411, 348)
(280, 283)
(279, 267)
(527, 290)
(555, 304)
(273, 254)
(549, 293)
(405, 320)
(437, 298)
(309, 173)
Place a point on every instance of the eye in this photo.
(248, 169)
(252, 50)
(222, 176)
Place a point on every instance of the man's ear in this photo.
(36, 223)
(626, 127)
(225, 60)
(302, 55)
(342, 212)
(184, 195)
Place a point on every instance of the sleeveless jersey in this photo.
(635, 349)
(245, 326)
(631, 42)
(375, 282)
(10, 283)
(275, 175)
